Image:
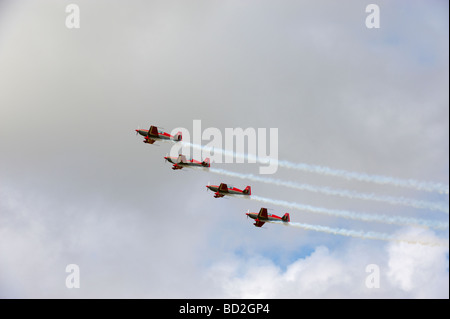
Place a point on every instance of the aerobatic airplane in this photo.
(263, 217)
(223, 189)
(181, 161)
(153, 134)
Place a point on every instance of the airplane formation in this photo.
(154, 134)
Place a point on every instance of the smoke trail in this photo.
(358, 234)
(323, 170)
(397, 220)
(338, 192)
(363, 177)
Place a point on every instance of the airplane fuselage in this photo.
(181, 161)
(174, 160)
(223, 189)
(154, 134)
(229, 191)
(270, 217)
(161, 135)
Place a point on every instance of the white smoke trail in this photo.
(323, 170)
(397, 220)
(338, 192)
(360, 234)
(363, 177)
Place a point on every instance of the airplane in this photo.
(223, 189)
(263, 217)
(181, 161)
(154, 134)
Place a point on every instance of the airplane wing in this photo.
(149, 140)
(258, 223)
(223, 187)
(182, 159)
(262, 214)
(153, 130)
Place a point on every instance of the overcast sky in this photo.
(77, 186)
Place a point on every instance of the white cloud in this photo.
(419, 271)
(406, 271)
(124, 254)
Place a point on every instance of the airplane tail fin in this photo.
(206, 162)
(286, 218)
(247, 190)
(178, 137)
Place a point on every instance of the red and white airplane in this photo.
(154, 134)
(181, 161)
(223, 189)
(263, 217)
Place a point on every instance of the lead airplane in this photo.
(153, 134)
(263, 217)
(223, 189)
(181, 161)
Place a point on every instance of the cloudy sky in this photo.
(77, 186)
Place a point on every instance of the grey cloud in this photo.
(78, 186)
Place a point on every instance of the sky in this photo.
(77, 186)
